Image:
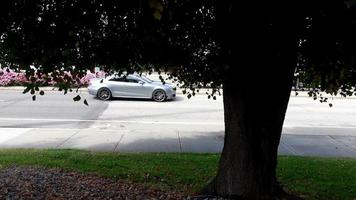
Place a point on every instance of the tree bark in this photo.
(258, 51)
(259, 60)
(254, 114)
(253, 125)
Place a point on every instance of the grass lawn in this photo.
(310, 178)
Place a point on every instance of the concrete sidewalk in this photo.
(148, 141)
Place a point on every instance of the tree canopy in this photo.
(114, 35)
(185, 35)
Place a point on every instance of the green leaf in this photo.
(350, 3)
(85, 102)
(157, 8)
(41, 92)
(27, 89)
(330, 105)
(34, 98)
(189, 96)
(37, 89)
(32, 91)
(77, 98)
(214, 97)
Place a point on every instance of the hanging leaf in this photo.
(157, 8)
(34, 98)
(27, 89)
(85, 102)
(41, 92)
(77, 98)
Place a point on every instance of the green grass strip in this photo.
(310, 178)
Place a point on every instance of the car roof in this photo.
(129, 75)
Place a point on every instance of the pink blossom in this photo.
(11, 78)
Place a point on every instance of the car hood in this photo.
(96, 80)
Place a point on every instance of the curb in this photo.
(329, 96)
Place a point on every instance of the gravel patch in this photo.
(55, 184)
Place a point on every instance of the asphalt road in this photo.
(55, 110)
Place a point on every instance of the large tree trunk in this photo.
(256, 88)
(254, 115)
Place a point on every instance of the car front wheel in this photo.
(159, 95)
(104, 94)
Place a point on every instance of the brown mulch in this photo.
(55, 184)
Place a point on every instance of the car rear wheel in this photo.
(159, 95)
(104, 94)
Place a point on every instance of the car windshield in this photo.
(146, 79)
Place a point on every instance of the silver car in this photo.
(131, 86)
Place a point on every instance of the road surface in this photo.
(311, 128)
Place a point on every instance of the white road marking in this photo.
(317, 126)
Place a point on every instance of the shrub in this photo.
(11, 78)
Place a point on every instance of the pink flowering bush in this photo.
(20, 78)
(11, 78)
(86, 79)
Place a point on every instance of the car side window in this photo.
(131, 80)
(118, 79)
